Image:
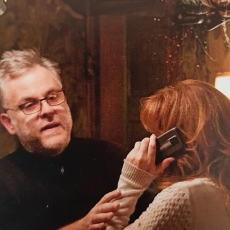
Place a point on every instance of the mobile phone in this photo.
(168, 144)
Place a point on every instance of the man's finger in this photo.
(98, 226)
(102, 217)
(107, 207)
(109, 196)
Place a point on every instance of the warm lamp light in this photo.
(222, 83)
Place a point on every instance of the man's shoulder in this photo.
(92, 141)
(9, 170)
(99, 146)
(6, 160)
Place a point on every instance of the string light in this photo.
(203, 46)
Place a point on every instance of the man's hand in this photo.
(98, 216)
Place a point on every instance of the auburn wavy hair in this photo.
(202, 114)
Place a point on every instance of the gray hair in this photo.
(16, 62)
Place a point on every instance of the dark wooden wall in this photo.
(111, 55)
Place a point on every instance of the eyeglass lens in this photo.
(55, 98)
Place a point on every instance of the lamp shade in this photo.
(222, 83)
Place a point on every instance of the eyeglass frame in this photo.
(39, 101)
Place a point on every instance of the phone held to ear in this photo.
(169, 144)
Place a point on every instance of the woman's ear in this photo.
(6, 122)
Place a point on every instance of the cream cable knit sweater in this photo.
(197, 204)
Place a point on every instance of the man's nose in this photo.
(45, 107)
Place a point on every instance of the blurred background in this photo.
(113, 53)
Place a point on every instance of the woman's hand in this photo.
(143, 156)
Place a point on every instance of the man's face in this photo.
(44, 132)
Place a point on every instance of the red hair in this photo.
(202, 114)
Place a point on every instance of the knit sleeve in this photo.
(132, 183)
(170, 210)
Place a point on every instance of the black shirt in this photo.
(38, 192)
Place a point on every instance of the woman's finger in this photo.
(164, 164)
(144, 147)
(152, 147)
(137, 145)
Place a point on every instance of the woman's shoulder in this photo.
(194, 183)
(202, 198)
(184, 191)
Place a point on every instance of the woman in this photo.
(195, 187)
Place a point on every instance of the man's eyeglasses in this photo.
(34, 106)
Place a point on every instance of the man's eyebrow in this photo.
(53, 91)
(25, 99)
(30, 98)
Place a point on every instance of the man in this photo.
(52, 180)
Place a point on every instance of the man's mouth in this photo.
(50, 126)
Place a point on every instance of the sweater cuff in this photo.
(136, 175)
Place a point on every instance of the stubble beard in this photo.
(36, 146)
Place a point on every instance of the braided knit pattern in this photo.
(172, 214)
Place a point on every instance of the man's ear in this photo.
(6, 122)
